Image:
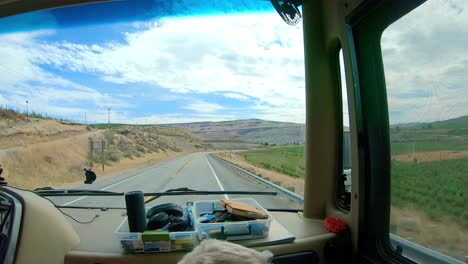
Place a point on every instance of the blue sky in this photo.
(238, 66)
(166, 70)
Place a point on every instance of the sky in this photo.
(214, 68)
(425, 56)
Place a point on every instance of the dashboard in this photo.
(37, 232)
(10, 221)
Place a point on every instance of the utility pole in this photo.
(102, 153)
(149, 130)
(27, 108)
(90, 152)
(108, 117)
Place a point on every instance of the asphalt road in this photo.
(198, 171)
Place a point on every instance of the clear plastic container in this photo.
(132, 242)
(238, 230)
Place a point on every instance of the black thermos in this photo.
(135, 203)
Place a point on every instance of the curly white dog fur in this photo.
(212, 251)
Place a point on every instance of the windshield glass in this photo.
(151, 96)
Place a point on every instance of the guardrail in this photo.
(291, 195)
(409, 249)
(419, 253)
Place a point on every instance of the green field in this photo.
(436, 188)
(398, 148)
(288, 160)
(105, 125)
(448, 135)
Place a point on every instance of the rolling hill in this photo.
(249, 130)
(46, 152)
(455, 129)
(454, 123)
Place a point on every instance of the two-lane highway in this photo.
(198, 171)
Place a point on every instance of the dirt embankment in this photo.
(431, 156)
(45, 163)
(37, 153)
(443, 236)
(22, 131)
(294, 184)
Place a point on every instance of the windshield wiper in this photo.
(171, 192)
(76, 192)
(187, 191)
(152, 196)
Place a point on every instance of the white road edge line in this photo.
(117, 183)
(216, 177)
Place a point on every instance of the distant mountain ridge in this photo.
(249, 130)
(455, 129)
(459, 122)
(453, 123)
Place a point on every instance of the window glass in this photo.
(154, 96)
(345, 109)
(344, 183)
(426, 67)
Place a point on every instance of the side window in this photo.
(344, 184)
(345, 109)
(425, 56)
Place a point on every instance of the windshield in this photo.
(164, 95)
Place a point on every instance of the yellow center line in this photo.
(173, 175)
(183, 168)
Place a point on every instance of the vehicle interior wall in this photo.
(372, 125)
(324, 110)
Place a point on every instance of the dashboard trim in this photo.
(15, 229)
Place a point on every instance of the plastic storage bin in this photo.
(230, 230)
(132, 242)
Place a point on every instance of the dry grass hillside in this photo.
(37, 152)
(133, 142)
(17, 130)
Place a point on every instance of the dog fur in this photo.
(213, 251)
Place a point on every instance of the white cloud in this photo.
(203, 107)
(3, 101)
(288, 113)
(179, 118)
(426, 63)
(21, 79)
(238, 55)
(236, 96)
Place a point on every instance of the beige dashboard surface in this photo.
(45, 234)
(100, 245)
